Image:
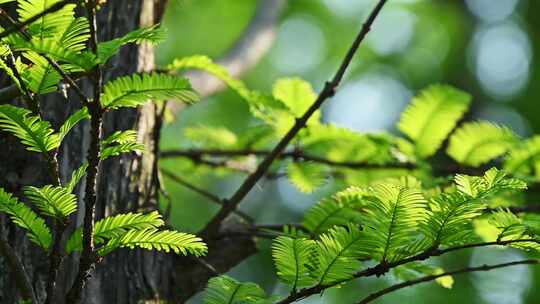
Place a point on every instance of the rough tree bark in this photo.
(126, 184)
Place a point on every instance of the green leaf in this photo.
(160, 240)
(114, 226)
(76, 176)
(511, 227)
(450, 218)
(206, 64)
(53, 201)
(41, 77)
(339, 210)
(226, 290)
(120, 142)
(297, 95)
(306, 176)
(476, 143)
(152, 35)
(431, 117)
(339, 252)
(33, 132)
(72, 121)
(134, 90)
(524, 158)
(50, 24)
(294, 260)
(494, 181)
(27, 219)
(392, 216)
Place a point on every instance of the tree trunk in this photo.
(127, 183)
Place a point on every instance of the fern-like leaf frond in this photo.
(339, 252)
(294, 259)
(57, 202)
(152, 35)
(160, 240)
(34, 133)
(114, 226)
(226, 290)
(72, 121)
(432, 116)
(27, 219)
(339, 210)
(391, 219)
(476, 143)
(134, 90)
(306, 176)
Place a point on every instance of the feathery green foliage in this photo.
(294, 258)
(392, 215)
(115, 226)
(524, 158)
(76, 177)
(476, 143)
(342, 208)
(57, 202)
(160, 240)
(306, 176)
(72, 121)
(27, 219)
(152, 35)
(34, 133)
(338, 254)
(134, 90)
(226, 290)
(120, 142)
(432, 116)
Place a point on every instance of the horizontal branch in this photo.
(429, 278)
(198, 156)
(382, 268)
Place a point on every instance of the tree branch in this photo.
(297, 154)
(429, 278)
(88, 256)
(212, 197)
(329, 90)
(382, 268)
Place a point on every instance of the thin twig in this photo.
(212, 197)
(329, 90)
(88, 256)
(297, 154)
(429, 278)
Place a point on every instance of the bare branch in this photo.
(88, 256)
(329, 90)
(429, 278)
(297, 154)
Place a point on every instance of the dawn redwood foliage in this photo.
(441, 186)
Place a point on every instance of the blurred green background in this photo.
(485, 47)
